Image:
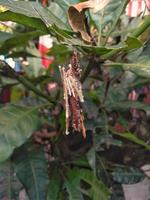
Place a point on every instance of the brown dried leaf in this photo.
(76, 15)
(77, 21)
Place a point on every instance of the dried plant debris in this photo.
(76, 16)
(73, 95)
(77, 22)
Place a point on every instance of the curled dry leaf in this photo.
(76, 16)
(77, 21)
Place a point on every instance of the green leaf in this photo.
(129, 26)
(133, 138)
(32, 14)
(116, 13)
(34, 9)
(16, 94)
(10, 185)
(16, 126)
(18, 40)
(72, 185)
(31, 168)
(66, 38)
(109, 16)
(104, 138)
(82, 161)
(128, 175)
(5, 36)
(53, 188)
(98, 189)
(64, 4)
(143, 26)
(16, 54)
(91, 156)
(124, 105)
(64, 53)
(133, 43)
(57, 9)
(100, 50)
(146, 49)
(73, 191)
(23, 19)
(141, 66)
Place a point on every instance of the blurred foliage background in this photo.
(37, 160)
